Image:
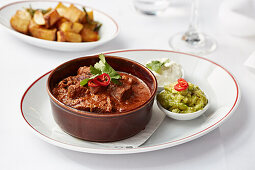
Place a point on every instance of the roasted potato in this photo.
(32, 24)
(20, 21)
(51, 18)
(89, 35)
(74, 14)
(61, 36)
(39, 18)
(61, 9)
(61, 21)
(89, 16)
(68, 36)
(64, 24)
(71, 27)
(42, 33)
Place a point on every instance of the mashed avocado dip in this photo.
(185, 100)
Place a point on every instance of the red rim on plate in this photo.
(142, 148)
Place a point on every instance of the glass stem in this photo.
(192, 36)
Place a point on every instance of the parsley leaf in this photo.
(84, 82)
(102, 58)
(156, 65)
(95, 71)
(106, 68)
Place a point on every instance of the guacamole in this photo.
(189, 100)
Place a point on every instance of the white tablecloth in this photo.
(231, 146)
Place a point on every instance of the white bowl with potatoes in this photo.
(58, 26)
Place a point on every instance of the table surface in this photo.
(231, 146)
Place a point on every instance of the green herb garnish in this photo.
(98, 25)
(32, 11)
(102, 67)
(86, 14)
(156, 65)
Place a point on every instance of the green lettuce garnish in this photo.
(156, 65)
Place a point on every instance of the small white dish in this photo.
(108, 31)
(183, 116)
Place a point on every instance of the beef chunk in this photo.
(101, 103)
(121, 93)
(95, 103)
(67, 82)
(84, 70)
(98, 89)
(82, 104)
(83, 73)
(75, 91)
(124, 91)
(127, 79)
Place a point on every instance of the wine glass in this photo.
(193, 41)
(151, 7)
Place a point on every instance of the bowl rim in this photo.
(56, 42)
(103, 115)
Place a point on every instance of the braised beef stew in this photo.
(127, 95)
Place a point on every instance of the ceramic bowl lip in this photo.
(195, 114)
(67, 2)
(91, 114)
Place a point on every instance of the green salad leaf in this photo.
(156, 65)
(102, 67)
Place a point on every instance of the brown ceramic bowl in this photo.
(101, 127)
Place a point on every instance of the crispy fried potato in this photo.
(51, 18)
(61, 21)
(90, 15)
(77, 27)
(71, 27)
(61, 36)
(64, 24)
(89, 35)
(61, 9)
(91, 25)
(68, 36)
(32, 24)
(39, 18)
(42, 33)
(20, 21)
(73, 14)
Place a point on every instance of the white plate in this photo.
(108, 31)
(218, 83)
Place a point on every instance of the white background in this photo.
(231, 146)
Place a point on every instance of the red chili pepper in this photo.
(182, 82)
(91, 83)
(102, 80)
(181, 85)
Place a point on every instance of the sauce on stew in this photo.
(128, 95)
